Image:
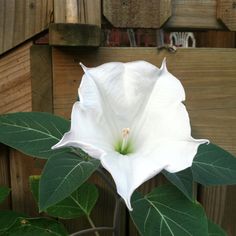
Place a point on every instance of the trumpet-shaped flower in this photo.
(131, 117)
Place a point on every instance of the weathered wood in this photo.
(208, 76)
(89, 11)
(20, 20)
(85, 33)
(219, 201)
(22, 167)
(194, 14)
(226, 12)
(41, 72)
(64, 34)
(15, 96)
(137, 14)
(15, 80)
(5, 174)
(71, 11)
(215, 39)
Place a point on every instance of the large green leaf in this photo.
(183, 180)
(167, 212)
(215, 230)
(4, 191)
(213, 166)
(62, 175)
(79, 203)
(36, 226)
(33, 133)
(8, 218)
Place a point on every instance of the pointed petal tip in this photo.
(54, 147)
(83, 66)
(163, 65)
(128, 204)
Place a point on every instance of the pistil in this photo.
(125, 135)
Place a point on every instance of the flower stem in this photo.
(85, 231)
(116, 217)
(93, 225)
(108, 182)
(117, 211)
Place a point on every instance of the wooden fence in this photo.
(36, 76)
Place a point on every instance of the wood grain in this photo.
(15, 80)
(215, 39)
(226, 12)
(15, 96)
(20, 20)
(137, 14)
(89, 11)
(208, 76)
(64, 34)
(219, 200)
(194, 14)
(5, 174)
(22, 167)
(41, 72)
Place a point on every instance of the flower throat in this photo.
(124, 146)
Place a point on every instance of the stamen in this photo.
(125, 135)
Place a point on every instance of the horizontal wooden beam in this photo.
(66, 34)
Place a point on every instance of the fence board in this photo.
(89, 11)
(194, 14)
(4, 174)
(20, 20)
(15, 96)
(219, 201)
(208, 76)
(41, 71)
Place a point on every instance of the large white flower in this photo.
(131, 117)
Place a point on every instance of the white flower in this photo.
(131, 117)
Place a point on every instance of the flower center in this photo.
(123, 146)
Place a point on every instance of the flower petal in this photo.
(124, 88)
(94, 137)
(129, 172)
(165, 117)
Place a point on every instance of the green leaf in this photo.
(215, 230)
(79, 203)
(62, 175)
(4, 192)
(213, 166)
(166, 211)
(8, 218)
(33, 133)
(36, 226)
(183, 180)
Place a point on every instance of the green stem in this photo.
(86, 231)
(93, 225)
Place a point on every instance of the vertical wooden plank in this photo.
(22, 167)
(89, 11)
(8, 27)
(41, 72)
(20, 20)
(5, 174)
(219, 201)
